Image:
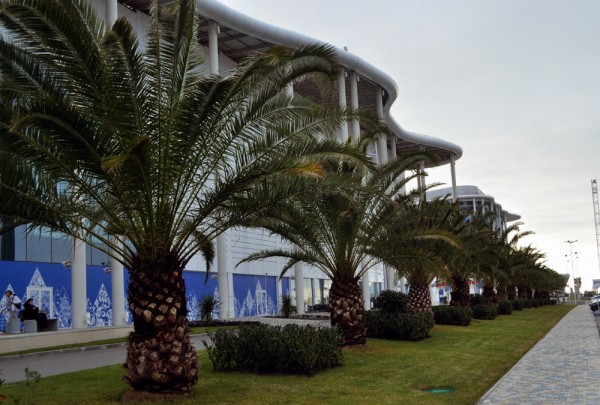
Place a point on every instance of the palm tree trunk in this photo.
(348, 311)
(160, 356)
(460, 293)
(502, 294)
(419, 299)
(489, 295)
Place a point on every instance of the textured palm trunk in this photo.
(160, 356)
(489, 295)
(348, 311)
(460, 293)
(524, 292)
(502, 294)
(419, 299)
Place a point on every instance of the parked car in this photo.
(595, 303)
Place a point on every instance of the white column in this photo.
(230, 296)
(279, 286)
(110, 10)
(299, 282)
(222, 252)
(354, 104)
(453, 174)
(422, 182)
(213, 47)
(341, 82)
(222, 280)
(382, 153)
(79, 284)
(313, 288)
(366, 293)
(118, 291)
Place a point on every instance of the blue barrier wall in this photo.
(50, 286)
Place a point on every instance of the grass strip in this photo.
(469, 359)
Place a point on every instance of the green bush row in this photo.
(485, 311)
(505, 308)
(397, 326)
(291, 349)
(391, 302)
(449, 315)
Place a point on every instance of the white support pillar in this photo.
(313, 287)
(382, 153)
(111, 13)
(279, 287)
(422, 182)
(222, 252)
(79, 283)
(453, 175)
(341, 82)
(354, 104)
(222, 279)
(366, 292)
(213, 47)
(299, 282)
(230, 296)
(118, 291)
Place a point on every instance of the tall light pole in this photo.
(570, 242)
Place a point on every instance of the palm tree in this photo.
(136, 148)
(415, 243)
(333, 230)
(477, 255)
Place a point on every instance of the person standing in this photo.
(13, 305)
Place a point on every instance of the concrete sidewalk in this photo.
(562, 368)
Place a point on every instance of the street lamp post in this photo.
(570, 242)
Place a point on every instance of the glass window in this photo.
(307, 291)
(61, 247)
(39, 245)
(20, 244)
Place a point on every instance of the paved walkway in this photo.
(562, 368)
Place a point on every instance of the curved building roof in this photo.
(240, 35)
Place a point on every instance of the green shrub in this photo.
(391, 302)
(485, 312)
(505, 308)
(291, 349)
(449, 315)
(207, 306)
(527, 303)
(517, 304)
(476, 299)
(287, 306)
(395, 326)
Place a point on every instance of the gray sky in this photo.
(515, 83)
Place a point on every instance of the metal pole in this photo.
(570, 242)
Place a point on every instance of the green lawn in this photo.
(468, 359)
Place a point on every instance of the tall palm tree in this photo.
(333, 230)
(135, 147)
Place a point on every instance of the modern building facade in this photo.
(82, 286)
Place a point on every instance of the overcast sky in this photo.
(515, 83)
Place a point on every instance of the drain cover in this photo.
(439, 390)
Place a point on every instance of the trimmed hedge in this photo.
(505, 308)
(476, 299)
(391, 302)
(449, 315)
(291, 349)
(485, 312)
(517, 304)
(396, 326)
